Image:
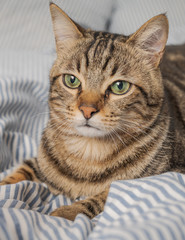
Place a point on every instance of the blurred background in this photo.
(26, 25)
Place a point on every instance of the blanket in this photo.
(148, 208)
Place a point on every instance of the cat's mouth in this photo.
(89, 126)
(89, 130)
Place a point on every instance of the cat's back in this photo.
(173, 64)
(173, 72)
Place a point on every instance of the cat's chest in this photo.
(79, 168)
(88, 149)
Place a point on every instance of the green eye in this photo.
(71, 81)
(120, 87)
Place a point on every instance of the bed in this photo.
(146, 208)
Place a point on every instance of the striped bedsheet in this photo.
(151, 208)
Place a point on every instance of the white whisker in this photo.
(117, 135)
(110, 134)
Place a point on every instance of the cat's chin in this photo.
(90, 131)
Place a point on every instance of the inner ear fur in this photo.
(151, 38)
(66, 31)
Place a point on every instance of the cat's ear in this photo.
(65, 30)
(152, 38)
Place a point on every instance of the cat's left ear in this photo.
(66, 31)
(152, 38)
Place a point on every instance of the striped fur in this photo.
(138, 134)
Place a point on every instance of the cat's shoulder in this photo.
(174, 55)
(173, 72)
(173, 63)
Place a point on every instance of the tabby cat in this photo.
(112, 115)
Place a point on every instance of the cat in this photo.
(112, 114)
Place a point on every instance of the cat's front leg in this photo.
(23, 172)
(91, 207)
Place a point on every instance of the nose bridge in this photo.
(91, 99)
(89, 103)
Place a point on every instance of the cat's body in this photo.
(112, 116)
(173, 73)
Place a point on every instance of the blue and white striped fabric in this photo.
(151, 208)
(148, 208)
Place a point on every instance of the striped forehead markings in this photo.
(100, 39)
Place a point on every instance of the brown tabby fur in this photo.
(141, 133)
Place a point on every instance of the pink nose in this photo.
(87, 111)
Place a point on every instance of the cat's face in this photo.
(104, 84)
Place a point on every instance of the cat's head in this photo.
(103, 83)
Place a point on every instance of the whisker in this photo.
(110, 134)
(143, 131)
(131, 135)
(117, 135)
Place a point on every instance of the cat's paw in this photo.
(91, 207)
(8, 180)
(68, 212)
(3, 182)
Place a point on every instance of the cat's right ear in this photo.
(65, 30)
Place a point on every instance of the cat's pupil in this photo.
(72, 79)
(120, 85)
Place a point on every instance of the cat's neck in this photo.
(95, 149)
(92, 149)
